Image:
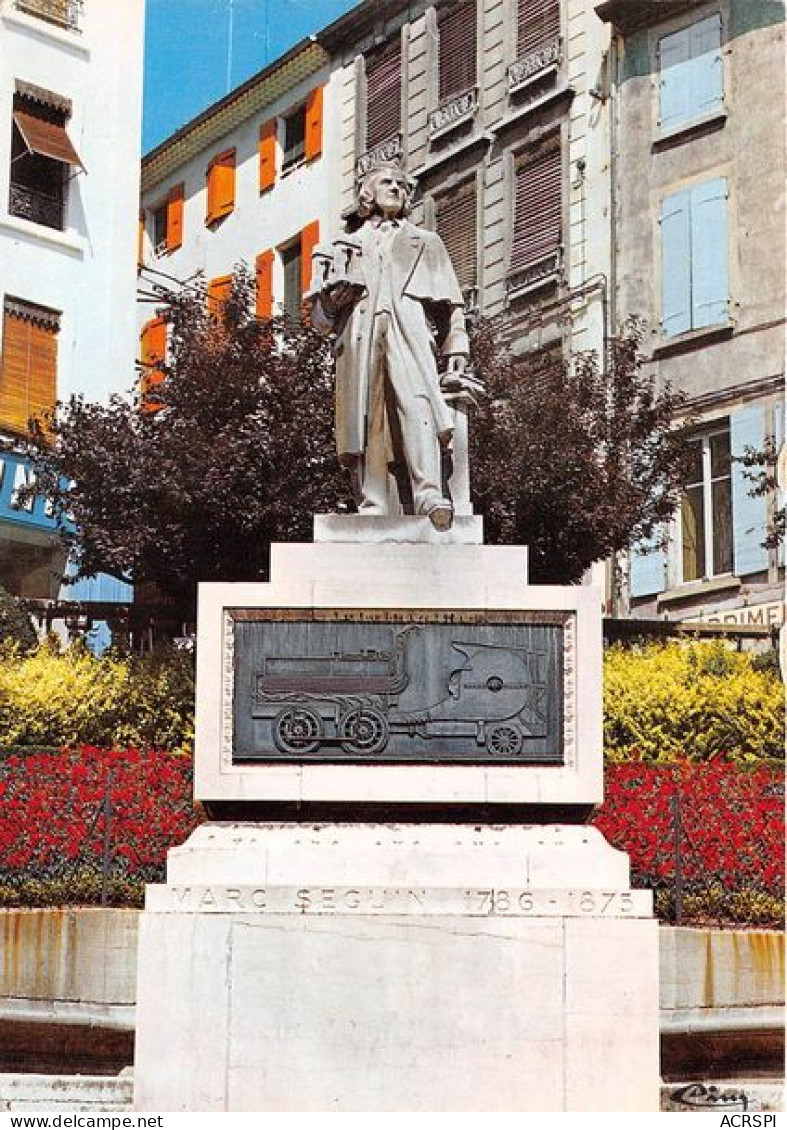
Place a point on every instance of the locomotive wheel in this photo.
(504, 740)
(297, 730)
(363, 731)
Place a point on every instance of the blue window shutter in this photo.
(778, 439)
(674, 103)
(709, 254)
(648, 567)
(676, 264)
(705, 66)
(749, 515)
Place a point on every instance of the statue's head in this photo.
(387, 189)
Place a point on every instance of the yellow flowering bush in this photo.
(664, 701)
(53, 699)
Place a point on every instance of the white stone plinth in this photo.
(397, 968)
(358, 580)
(408, 529)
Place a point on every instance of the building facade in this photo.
(489, 104)
(70, 115)
(247, 182)
(697, 91)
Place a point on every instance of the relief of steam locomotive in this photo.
(493, 695)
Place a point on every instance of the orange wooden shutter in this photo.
(264, 265)
(313, 140)
(28, 371)
(267, 148)
(310, 237)
(141, 239)
(221, 186)
(175, 217)
(153, 351)
(218, 292)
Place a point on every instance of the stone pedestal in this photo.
(363, 967)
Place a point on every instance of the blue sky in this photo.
(189, 53)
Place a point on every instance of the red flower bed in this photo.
(51, 816)
(51, 820)
(732, 820)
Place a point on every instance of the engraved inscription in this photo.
(459, 689)
(501, 902)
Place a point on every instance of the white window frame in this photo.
(722, 427)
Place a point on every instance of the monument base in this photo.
(371, 967)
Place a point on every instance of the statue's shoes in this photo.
(441, 516)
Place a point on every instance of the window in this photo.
(28, 371)
(167, 222)
(694, 288)
(296, 260)
(294, 138)
(537, 25)
(537, 234)
(63, 13)
(456, 30)
(41, 157)
(160, 229)
(706, 508)
(384, 94)
(456, 222)
(221, 186)
(690, 73)
(291, 262)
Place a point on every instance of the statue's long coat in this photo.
(422, 278)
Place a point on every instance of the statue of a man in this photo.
(389, 293)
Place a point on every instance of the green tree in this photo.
(194, 479)
(574, 458)
(234, 449)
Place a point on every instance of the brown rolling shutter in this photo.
(28, 370)
(457, 49)
(47, 138)
(457, 227)
(384, 93)
(538, 207)
(538, 22)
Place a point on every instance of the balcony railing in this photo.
(40, 207)
(530, 68)
(534, 275)
(453, 112)
(63, 13)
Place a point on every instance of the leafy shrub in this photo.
(731, 842)
(16, 627)
(668, 701)
(52, 823)
(49, 699)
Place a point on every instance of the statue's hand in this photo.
(457, 363)
(338, 296)
(457, 378)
